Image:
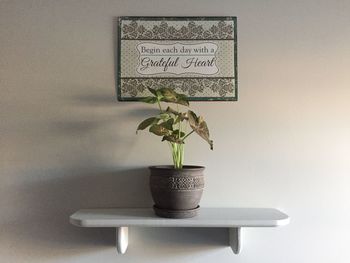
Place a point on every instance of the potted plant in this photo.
(176, 189)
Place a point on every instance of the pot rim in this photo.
(171, 167)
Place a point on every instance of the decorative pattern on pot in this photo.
(176, 192)
(179, 183)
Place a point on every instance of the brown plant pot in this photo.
(176, 192)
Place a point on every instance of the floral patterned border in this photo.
(133, 30)
(221, 87)
(187, 28)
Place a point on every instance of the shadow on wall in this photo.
(69, 164)
(67, 167)
(43, 223)
(48, 201)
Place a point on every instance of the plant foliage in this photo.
(172, 124)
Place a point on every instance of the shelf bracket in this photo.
(235, 239)
(122, 239)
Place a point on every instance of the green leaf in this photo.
(147, 122)
(153, 91)
(200, 127)
(169, 95)
(192, 118)
(171, 110)
(177, 132)
(168, 124)
(180, 116)
(159, 130)
(183, 100)
(164, 116)
(159, 94)
(172, 138)
(150, 100)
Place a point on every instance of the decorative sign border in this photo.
(196, 56)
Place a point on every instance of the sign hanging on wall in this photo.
(196, 56)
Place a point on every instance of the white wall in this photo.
(67, 144)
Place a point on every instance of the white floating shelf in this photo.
(231, 218)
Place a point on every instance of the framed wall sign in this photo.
(196, 56)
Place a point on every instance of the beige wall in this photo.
(67, 144)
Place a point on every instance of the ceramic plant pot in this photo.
(176, 192)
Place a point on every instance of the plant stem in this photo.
(160, 107)
(188, 135)
(178, 154)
